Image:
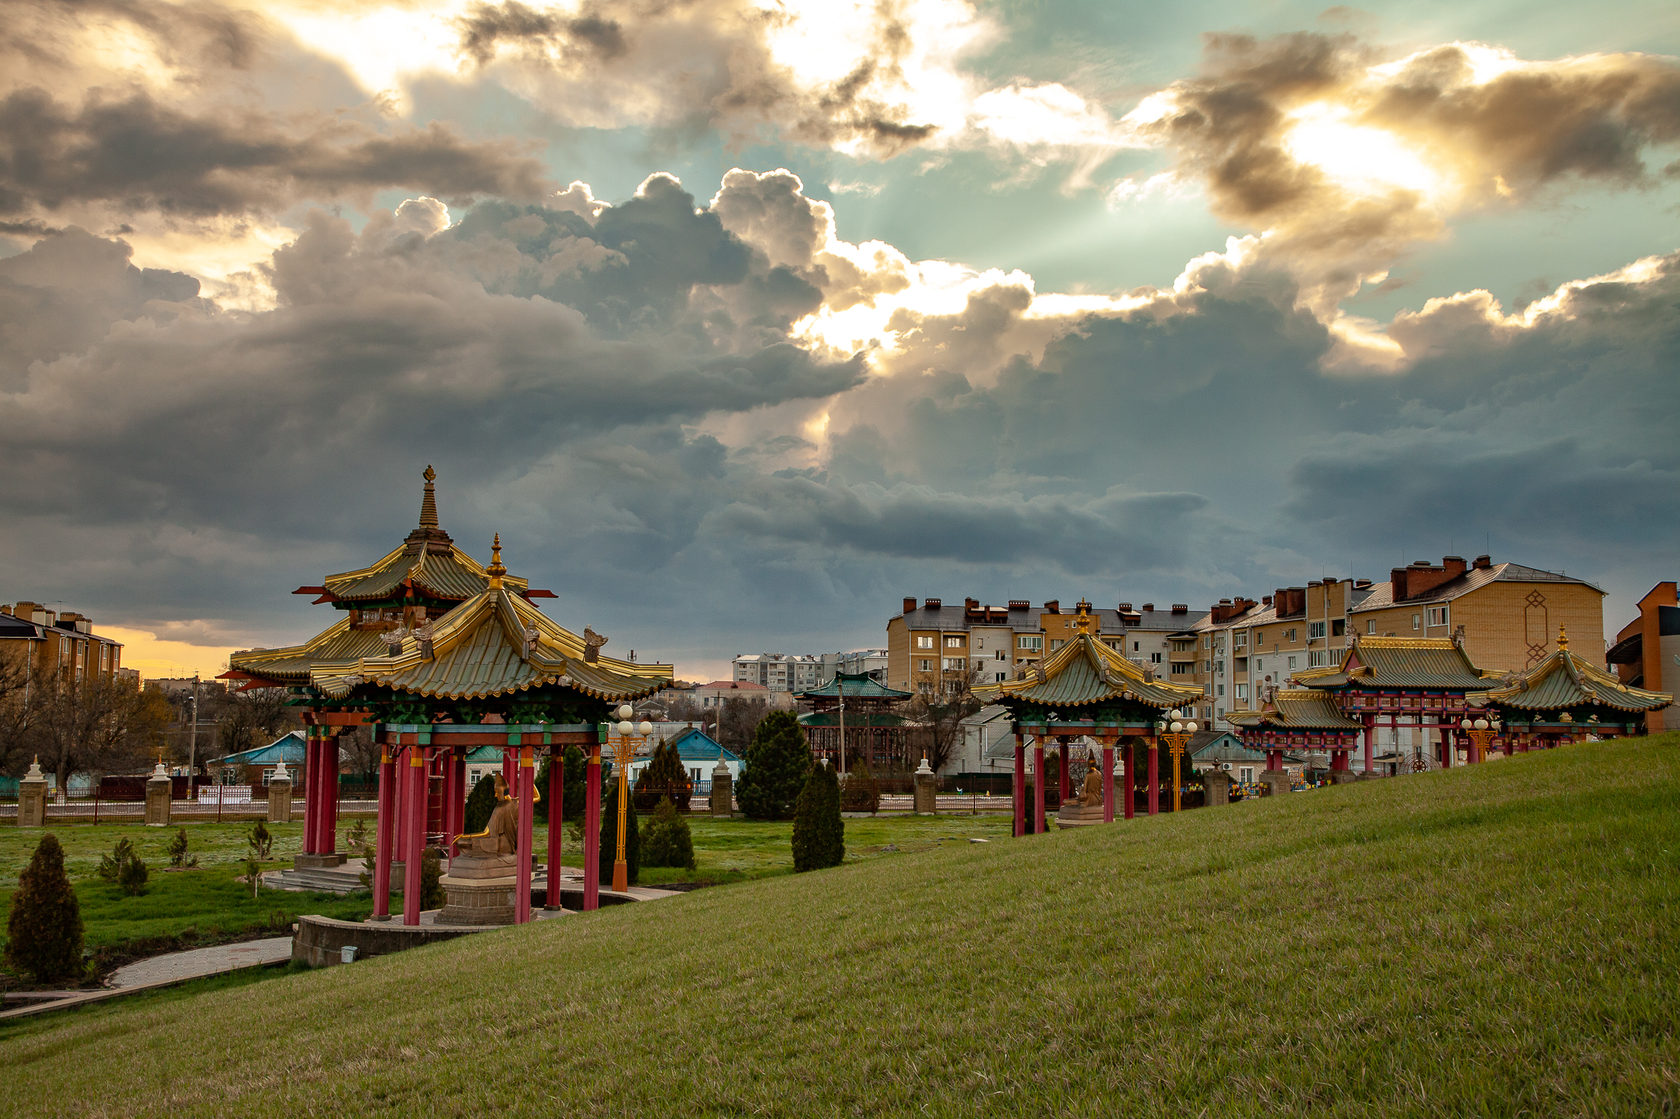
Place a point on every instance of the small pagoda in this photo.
(1382, 681)
(1299, 719)
(852, 716)
(441, 656)
(1564, 699)
(1085, 688)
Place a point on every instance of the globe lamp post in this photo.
(630, 736)
(1176, 734)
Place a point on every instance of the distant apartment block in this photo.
(61, 642)
(780, 672)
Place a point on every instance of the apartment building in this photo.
(1243, 648)
(56, 641)
(935, 649)
(780, 672)
(1645, 645)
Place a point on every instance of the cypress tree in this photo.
(45, 924)
(861, 792)
(776, 763)
(663, 777)
(818, 832)
(480, 804)
(668, 841)
(609, 837)
(574, 792)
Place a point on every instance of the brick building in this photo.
(1648, 645)
(61, 642)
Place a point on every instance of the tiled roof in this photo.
(445, 574)
(1435, 663)
(1083, 672)
(1563, 680)
(1297, 709)
(288, 748)
(1382, 594)
(860, 685)
(854, 719)
(338, 644)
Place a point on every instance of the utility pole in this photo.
(192, 739)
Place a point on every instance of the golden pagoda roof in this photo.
(1430, 663)
(1296, 709)
(1563, 680)
(1084, 672)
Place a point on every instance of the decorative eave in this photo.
(1296, 709)
(1426, 663)
(859, 685)
(1085, 672)
(1562, 681)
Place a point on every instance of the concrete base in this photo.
(279, 802)
(302, 862)
(1072, 815)
(32, 804)
(320, 941)
(479, 890)
(1216, 784)
(1275, 782)
(722, 802)
(157, 802)
(1343, 776)
(926, 795)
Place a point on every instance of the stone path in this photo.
(162, 971)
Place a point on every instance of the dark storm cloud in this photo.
(134, 151)
(490, 25)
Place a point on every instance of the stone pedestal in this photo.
(157, 798)
(32, 798)
(1274, 781)
(1071, 815)
(927, 790)
(723, 790)
(308, 862)
(1343, 776)
(280, 800)
(479, 890)
(1217, 784)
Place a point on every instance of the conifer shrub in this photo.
(44, 927)
(818, 832)
(480, 803)
(431, 873)
(123, 868)
(860, 792)
(177, 851)
(575, 788)
(668, 841)
(774, 769)
(663, 778)
(609, 837)
(261, 842)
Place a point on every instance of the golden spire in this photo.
(1083, 617)
(1563, 638)
(496, 570)
(428, 503)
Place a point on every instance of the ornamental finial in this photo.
(1083, 617)
(1563, 638)
(428, 503)
(496, 570)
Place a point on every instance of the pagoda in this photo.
(1299, 719)
(1085, 688)
(442, 656)
(854, 709)
(1564, 699)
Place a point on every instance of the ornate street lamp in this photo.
(630, 735)
(1481, 733)
(1175, 734)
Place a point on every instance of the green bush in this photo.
(45, 924)
(819, 835)
(668, 842)
(480, 804)
(576, 785)
(663, 778)
(123, 868)
(609, 837)
(775, 766)
(861, 792)
(431, 871)
(177, 850)
(261, 842)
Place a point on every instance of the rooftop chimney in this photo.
(1181, 608)
(1019, 604)
(1054, 606)
(933, 603)
(1148, 607)
(1482, 563)
(909, 604)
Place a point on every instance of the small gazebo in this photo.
(1299, 719)
(1564, 699)
(1088, 689)
(855, 710)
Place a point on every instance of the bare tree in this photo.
(17, 714)
(940, 716)
(251, 718)
(737, 722)
(88, 725)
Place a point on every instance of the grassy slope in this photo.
(1488, 941)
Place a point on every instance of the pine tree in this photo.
(663, 777)
(818, 832)
(575, 787)
(668, 841)
(609, 837)
(775, 766)
(861, 792)
(480, 804)
(45, 925)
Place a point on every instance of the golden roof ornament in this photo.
(428, 503)
(496, 570)
(1083, 618)
(1563, 638)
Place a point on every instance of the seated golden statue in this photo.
(501, 835)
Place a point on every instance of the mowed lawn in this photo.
(1496, 940)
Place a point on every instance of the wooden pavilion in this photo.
(857, 709)
(1300, 719)
(1422, 681)
(1563, 699)
(442, 656)
(1088, 689)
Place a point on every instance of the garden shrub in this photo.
(776, 763)
(261, 841)
(177, 851)
(819, 838)
(668, 841)
(123, 868)
(480, 803)
(861, 792)
(431, 871)
(609, 837)
(663, 778)
(45, 924)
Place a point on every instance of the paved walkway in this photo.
(163, 971)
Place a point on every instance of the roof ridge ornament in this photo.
(1563, 637)
(496, 571)
(428, 503)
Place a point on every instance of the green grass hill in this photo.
(1495, 940)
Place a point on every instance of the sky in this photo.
(742, 320)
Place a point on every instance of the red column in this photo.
(1447, 747)
(311, 794)
(1038, 785)
(527, 805)
(592, 830)
(1063, 785)
(451, 793)
(1128, 803)
(1020, 787)
(329, 794)
(1108, 781)
(556, 820)
(384, 829)
(510, 769)
(414, 831)
(1154, 776)
(1370, 740)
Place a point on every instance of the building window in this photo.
(1244, 774)
(1242, 691)
(1437, 615)
(1338, 627)
(1135, 646)
(1056, 643)
(1259, 636)
(955, 664)
(1239, 641)
(1258, 666)
(1030, 642)
(1371, 625)
(1002, 654)
(953, 642)
(925, 641)
(1315, 631)
(1154, 658)
(1218, 690)
(1290, 635)
(1291, 665)
(1417, 621)
(1318, 658)
(926, 666)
